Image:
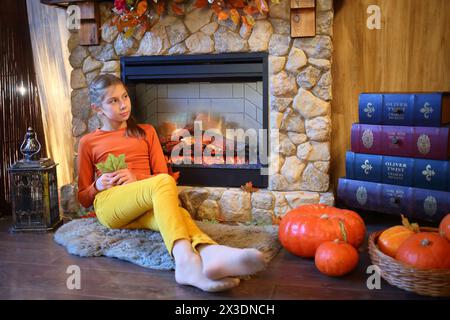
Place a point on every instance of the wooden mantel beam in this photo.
(89, 32)
(303, 18)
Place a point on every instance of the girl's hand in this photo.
(104, 182)
(122, 176)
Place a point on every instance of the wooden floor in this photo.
(33, 266)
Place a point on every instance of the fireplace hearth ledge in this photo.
(236, 205)
(225, 204)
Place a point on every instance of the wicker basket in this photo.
(433, 282)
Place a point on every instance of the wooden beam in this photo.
(89, 19)
(303, 18)
(65, 3)
(300, 4)
(89, 24)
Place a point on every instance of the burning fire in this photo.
(180, 144)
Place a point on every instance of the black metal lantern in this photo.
(34, 189)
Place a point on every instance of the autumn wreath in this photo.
(139, 16)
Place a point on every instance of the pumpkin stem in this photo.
(411, 226)
(425, 242)
(324, 216)
(344, 233)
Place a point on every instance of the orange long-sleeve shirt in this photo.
(142, 158)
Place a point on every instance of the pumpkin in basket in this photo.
(444, 227)
(303, 229)
(425, 250)
(390, 239)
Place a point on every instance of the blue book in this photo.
(410, 172)
(415, 203)
(405, 109)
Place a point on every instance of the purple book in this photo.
(402, 141)
(415, 203)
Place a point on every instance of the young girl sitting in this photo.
(145, 196)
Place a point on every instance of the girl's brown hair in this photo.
(97, 92)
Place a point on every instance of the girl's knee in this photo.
(165, 178)
(110, 223)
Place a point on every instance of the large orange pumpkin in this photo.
(444, 227)
(425, 250)
(304, 228)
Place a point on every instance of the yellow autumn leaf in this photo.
(411, 226)
(235, 16)
(129, 33)
(250, 20)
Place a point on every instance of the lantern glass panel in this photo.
(34, 189)
(35, 199)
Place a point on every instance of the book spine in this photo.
(367, 167)
(431, 174)
(410, 109)
(415, 203)
(412, 172)
(402, 141)
(370, 107)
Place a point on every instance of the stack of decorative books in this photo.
(398, 163)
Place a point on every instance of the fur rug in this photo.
(88, 238)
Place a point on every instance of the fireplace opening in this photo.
(210, 113)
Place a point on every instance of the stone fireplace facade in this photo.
(299, 101)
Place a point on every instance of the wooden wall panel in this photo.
(411, 52)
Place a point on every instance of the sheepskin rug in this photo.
(88, 238)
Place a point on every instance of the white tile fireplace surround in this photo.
(240, 103)
(299, 101)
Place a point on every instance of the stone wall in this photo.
(300, 96)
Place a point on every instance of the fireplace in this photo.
(210, 113)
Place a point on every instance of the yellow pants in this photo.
(149, 204)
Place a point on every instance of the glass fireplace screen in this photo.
(179, 112)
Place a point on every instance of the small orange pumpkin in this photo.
(390, 239)
(444, 227)
(336, 258)
(425, 250)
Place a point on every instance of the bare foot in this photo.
(222, 261)
(188, 271)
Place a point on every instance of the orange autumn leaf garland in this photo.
(139, 16)
(141, 8)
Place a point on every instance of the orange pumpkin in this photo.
(390, 240)
(336, 258)
(303, 229)
(425, 250)
(444, 227)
